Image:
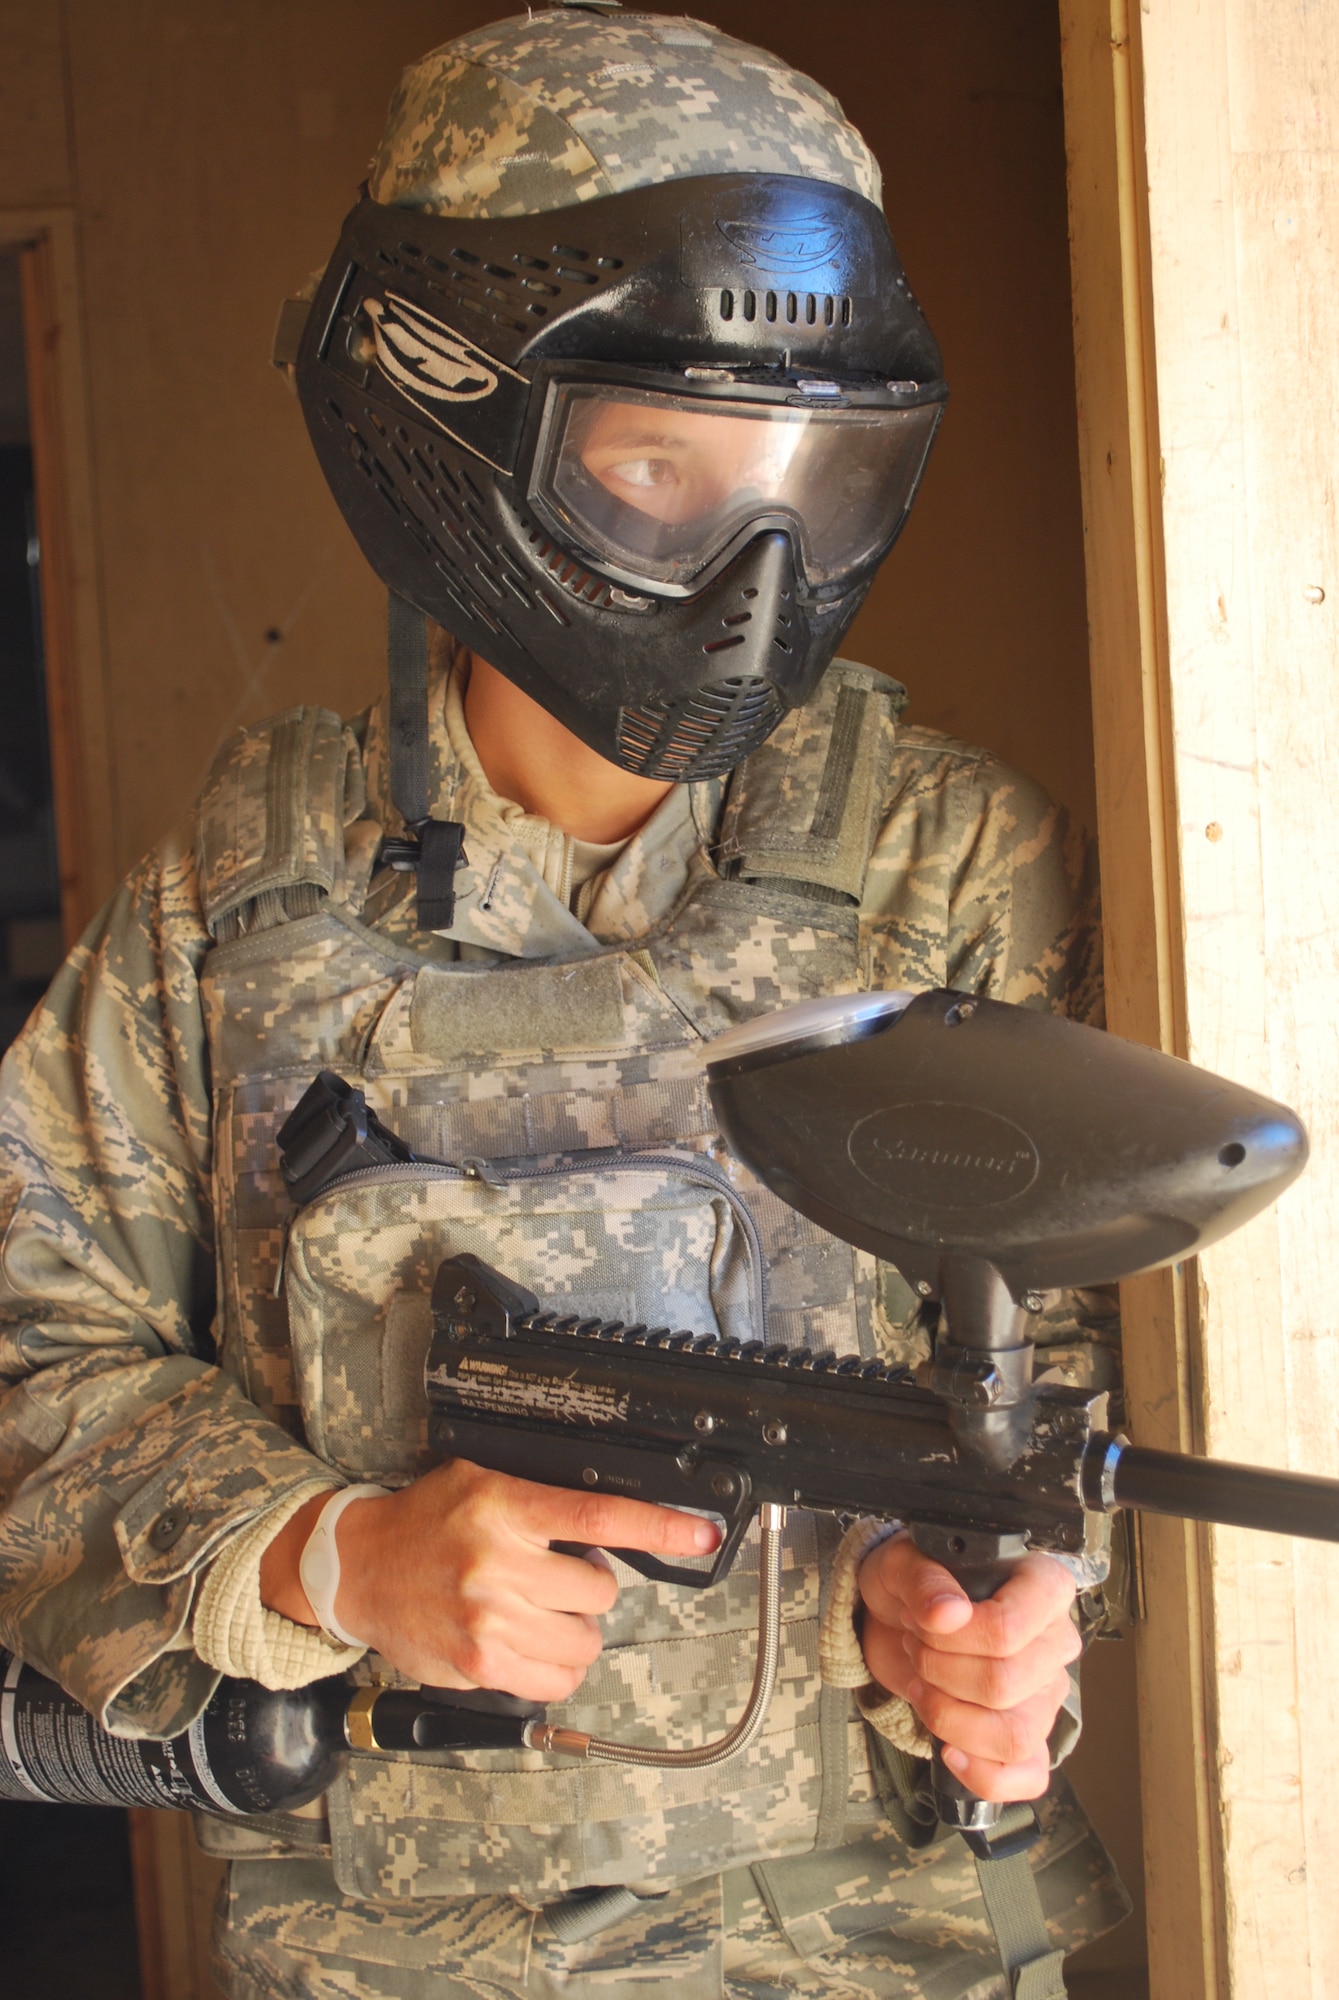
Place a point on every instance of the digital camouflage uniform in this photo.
(181, 1354)
(138, 1130)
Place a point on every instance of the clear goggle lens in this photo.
(656, 485)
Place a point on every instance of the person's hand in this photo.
(453, 1581)
(987, 1679)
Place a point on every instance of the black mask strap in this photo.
(434, 848)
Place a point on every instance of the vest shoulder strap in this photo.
(270, 823)
(804, 810)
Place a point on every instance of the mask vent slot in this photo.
(563, 570)
(554, 609)
(786, 308)
(496, 292)
(410, 481)
(701, 736)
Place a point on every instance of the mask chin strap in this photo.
(433, 848)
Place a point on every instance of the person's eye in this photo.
(644, 472)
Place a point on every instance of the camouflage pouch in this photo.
(658, 1239)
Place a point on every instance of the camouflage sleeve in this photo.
(978, 880)
(1024, 920)
(125, 1457)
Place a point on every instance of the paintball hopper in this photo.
(936, 1127)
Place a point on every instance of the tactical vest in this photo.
(607, 1190)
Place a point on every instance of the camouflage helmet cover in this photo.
(549, 109)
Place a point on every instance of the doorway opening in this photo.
(31, 944)
(67, 1908)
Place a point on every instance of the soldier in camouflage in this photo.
(191, 1367)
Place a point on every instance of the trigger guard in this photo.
(656, 1571)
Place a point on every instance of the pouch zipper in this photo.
(489, 1174)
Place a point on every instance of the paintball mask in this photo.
(614, 373)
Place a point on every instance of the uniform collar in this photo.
(503, 903)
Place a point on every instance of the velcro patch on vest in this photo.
(511, 1009)
(272, 812)
(802, 811)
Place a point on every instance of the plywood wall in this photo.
(216, 150)
(1242, 120)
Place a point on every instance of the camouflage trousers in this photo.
(871, 1920)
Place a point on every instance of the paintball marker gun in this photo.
(991, 1154)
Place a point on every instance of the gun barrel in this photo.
(1208, 1489)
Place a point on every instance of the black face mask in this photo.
(644, 456)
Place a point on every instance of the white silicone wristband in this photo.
(318, 1565)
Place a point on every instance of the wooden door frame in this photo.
(1137, 827)
(1203, 206)
(74, 652)
(175, 1887)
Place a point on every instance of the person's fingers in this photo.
(567, 1583)
(1000, 1756)
(1002, 1784)
(1036, 1596)
(991, 1681)
(455, 1580)
(901, 1586)
(487, 1637)
(606, 1520)
(1011, 1736)
(510, 1673)
(885, 1651)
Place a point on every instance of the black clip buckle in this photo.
(401, 855)
(331, 1132)
(433, 850)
